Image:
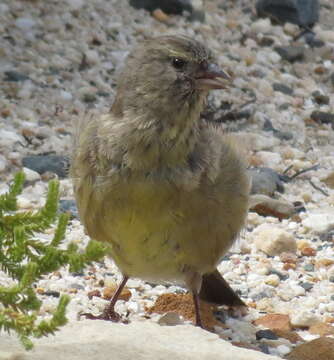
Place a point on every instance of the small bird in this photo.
(166, 192)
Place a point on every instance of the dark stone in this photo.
(168, 6)
(299, 207)
(320, 98)
(265, 181)
(312, 41)
(282, 277)
(264, 348)
(327, 236)
(89, 98)
(323, 117)
(291, 53)
(42, 163)
(282, 88)
(332, 297)
(55, 294)
(283, 135)
(266, 41)
(309, 267)
(68, 206)
(300, 12)
(332, 78)
(266, 334)
(220, 316)
(15, 76)
(306, 285)
(267, 293)
(331, 279)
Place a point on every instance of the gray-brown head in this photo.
(166, 75)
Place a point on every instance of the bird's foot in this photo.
(106, 315)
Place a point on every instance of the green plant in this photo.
(26, 259)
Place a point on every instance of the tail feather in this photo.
(215, 289)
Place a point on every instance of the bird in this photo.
(166, 192)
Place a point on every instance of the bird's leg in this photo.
(109, 312)
(197, 310)
(194, 282)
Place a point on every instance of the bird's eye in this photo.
(178, 63)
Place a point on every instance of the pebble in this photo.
(291, 53)
(273, 240)
(170, 319)
(31, 175)
(265, 181)
(321, 221)
(167, 6)
(275, 322)
(43, 163)
(25, 24)
(304, 319)
(283, 88)
(303, 13)
(266, 334)
(3, 163)
(323, 117)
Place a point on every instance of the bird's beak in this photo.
(212, 77)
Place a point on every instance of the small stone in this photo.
(3, 163)
(326, 35)
(304, 319)
(31, 175)
(108, 293)
(282, 88)
(321, 221)
(320, 349)
(321, 329)
(261, 26)
(159, 15)
(320, 98)
(275, 322)
(291, 53)
(292, 336)
(93, 293)
(289, 266)
(266, 334)
(309, 267)
(272, 280)
(324, 262)
(170, 319)
(76, 286)
(329, 180)
(89, 97)
(266, 206)
(68, 206)
(303, 13)
(24, 23)
(288, 257)
(306, 285)
(52, 293)
(167, 6)
(43, 163)
(273, 240)
(265, 181)
(14, 76)
(323, 117)
(308, 251)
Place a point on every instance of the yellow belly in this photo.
(157, 232)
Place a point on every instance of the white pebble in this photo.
(31, 175)
(25, 23)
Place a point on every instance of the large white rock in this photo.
(101, 340)
(273, 240)
(320, 221)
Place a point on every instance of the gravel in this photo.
(61, 59)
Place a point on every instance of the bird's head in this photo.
(167, 73)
